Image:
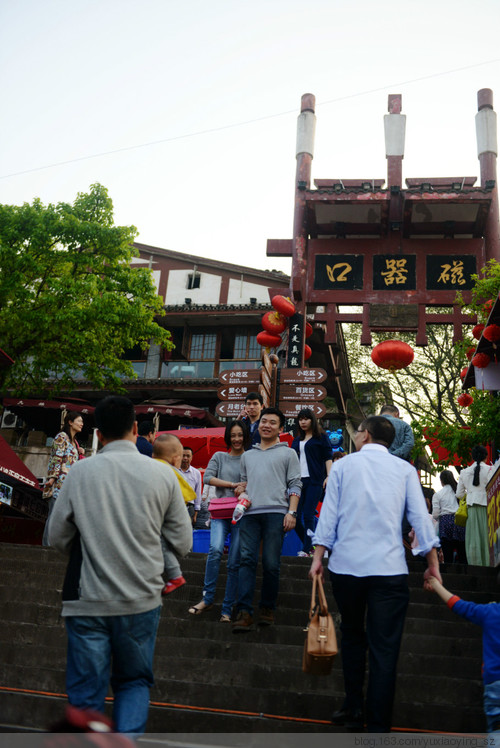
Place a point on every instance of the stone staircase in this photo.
(209, 680)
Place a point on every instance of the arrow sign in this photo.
(239, 376)
(230, 409)
(302, 376)
(290, 409)
(235, 391)
(301, 392)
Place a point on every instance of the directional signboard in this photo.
(239, 376)
(230, 408)
(290, 409)
(301, 392)
(236, 391)
(299, 376)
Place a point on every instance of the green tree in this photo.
(70, 301)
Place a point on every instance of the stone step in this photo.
(202, 665)
(168, 724)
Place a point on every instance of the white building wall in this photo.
(207, 293)
(240, 292)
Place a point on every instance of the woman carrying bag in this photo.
(223, 472)
(315, 455)
(472, 482)
(444, 506)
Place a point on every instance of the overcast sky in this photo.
(211, 89)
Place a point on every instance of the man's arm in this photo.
(294, 487)
(62, 529)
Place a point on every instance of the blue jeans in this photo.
(126, 645)
(384, 600)
(255, 528)
(219, 529)
(306, 511)
(491, 702)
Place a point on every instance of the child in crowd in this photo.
(168, 448)
(488, 617)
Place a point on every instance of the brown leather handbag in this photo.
(320, 646)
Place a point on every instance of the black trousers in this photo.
(384, 601)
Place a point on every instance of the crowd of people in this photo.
(125, 519)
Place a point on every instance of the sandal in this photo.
(225, 618)
(195, 610)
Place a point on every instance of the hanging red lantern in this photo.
(284, 305)
(481, 360)
(464, 400)
(268, 340)
(470, 352)
(488, 306)
(309, 330)
(307, 352)
(274, 322)
(477, 331)
(463, 373)
(392, 355)
(492, 333)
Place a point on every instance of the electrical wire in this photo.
(245, 123)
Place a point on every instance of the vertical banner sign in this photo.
(295, 341)
(296, 332)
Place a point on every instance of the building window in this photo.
(202, 346)
(246, 346)
(193, 281)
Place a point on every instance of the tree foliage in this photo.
(70, 301)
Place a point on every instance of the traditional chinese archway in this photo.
(395, 251)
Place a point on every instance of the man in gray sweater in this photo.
(272, 473)
(108, 518)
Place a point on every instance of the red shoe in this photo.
(172, 585)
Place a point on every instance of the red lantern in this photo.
(492, 333)
(309, 330)
(477, 331)
(470, 352)
(463, 373)
(464, 400)
(307, 352)
(481, 360)
(284, 305)
(488, 306)
(268, 340)
(392, 355)
(274, 322)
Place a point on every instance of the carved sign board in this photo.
(402, 316)
(291, 409)
(394, 272)
(301, 392)
(239, 376)
(299, 376)
(230, 408)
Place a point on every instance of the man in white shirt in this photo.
(193, 477)
(360, 525)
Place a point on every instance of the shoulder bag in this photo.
(461, 513)
(320, 646)
(222, 508)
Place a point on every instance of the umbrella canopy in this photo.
(203, 442)
(19, 488)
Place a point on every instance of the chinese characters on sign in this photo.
(394, 272)
(295, 341)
